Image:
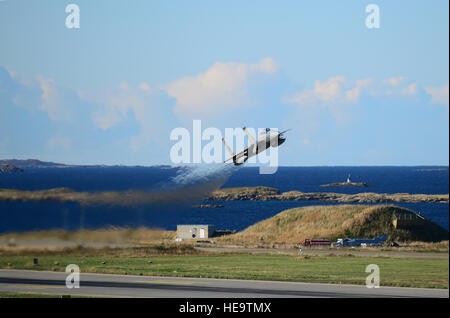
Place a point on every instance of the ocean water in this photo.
(191, 185)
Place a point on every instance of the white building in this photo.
(194, 232)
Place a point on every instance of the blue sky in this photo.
(111, 91)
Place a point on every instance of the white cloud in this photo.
(411, 89)
(398, 86)
(335, 89)
(267, 66)
(439, 95)
(342, 98)
(60, 143)
(44, 94)
(60, 120)
(224, 85)
(145, 87)
(340, 90)
(395, 81)
(151, 108)
(53, 101)
(331, 95)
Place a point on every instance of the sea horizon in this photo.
(235, 215)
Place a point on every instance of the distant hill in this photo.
(341, 221)
(30, 163)
(35, 163)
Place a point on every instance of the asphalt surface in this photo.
(104, 285)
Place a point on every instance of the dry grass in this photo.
(119, 252)
(294, 225)
(429, 246)
(332, 222)
(118, 198)
(141, 235)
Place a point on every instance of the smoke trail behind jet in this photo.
(190, 185)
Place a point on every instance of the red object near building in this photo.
(315, 242)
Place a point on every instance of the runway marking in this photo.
(50, 293)
(168, 282)
(20, 286)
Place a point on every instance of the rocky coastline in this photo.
(271, 194)
(226, 194)
(346, 184)
(8, 168)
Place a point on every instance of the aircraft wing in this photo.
(242, 154)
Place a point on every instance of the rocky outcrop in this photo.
(346, 184)
(227, 194)
(367, 197)
(208, 206)
(7, 168)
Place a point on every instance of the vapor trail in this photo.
(190, 185)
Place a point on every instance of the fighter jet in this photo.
(379, 240)
(265, 140)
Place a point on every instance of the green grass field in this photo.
(404, 272)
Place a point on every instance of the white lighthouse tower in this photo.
(348, 178)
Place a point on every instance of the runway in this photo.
(105, 285)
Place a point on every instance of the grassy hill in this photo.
(339, 221)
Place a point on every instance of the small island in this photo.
(259, 193)
(271, 194)
(8, 168)
(348, 183)
(209, 206)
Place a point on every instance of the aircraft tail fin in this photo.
(230, 150)
(250, 137)
(382, 237)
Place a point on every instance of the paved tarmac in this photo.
(104, 285)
